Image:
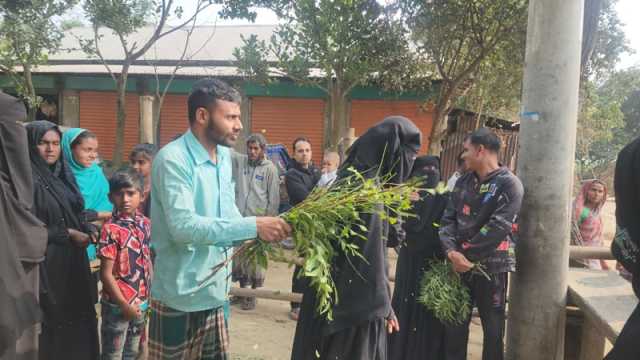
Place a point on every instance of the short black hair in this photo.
(299, 139)
(485, 137)
(126, 179)
(82, 137)
(205, 92)
(147, 150)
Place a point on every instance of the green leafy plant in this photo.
(443, 292)
(325, 224)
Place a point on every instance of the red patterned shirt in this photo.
(125, 240)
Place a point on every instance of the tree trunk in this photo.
(121, 86)
(157, 111)
(338, 117)
(30, 92)
(440, 123)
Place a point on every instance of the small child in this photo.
(140, 160)
(125, 268)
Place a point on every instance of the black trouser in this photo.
(490, 297)
(626, 346)
(298, 285)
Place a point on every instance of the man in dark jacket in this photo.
(300, 180)
(477, 228)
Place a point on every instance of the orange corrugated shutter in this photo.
(284, 119)
(98, 114)
(174, 119)
(366, 113)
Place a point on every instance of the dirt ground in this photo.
(266, 333)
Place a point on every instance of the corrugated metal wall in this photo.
(98, 114)
(282, 120)
(174, 119)
(366, 113)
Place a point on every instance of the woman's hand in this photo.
(78, 238)
(392, 324)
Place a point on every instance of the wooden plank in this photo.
(604, 297)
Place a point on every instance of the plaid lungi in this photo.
(174, 334)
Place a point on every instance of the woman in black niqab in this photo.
(421, 335)
(358, 330)
(68, 292)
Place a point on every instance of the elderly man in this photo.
(196, 224)
(257, 194)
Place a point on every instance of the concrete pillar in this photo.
(546, 156)
(70, 108)
(245, 117)
(146, 119)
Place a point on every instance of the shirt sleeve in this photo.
(185, 225)
(499, 226)
(449, 226)
(273, 188)
(107, 246)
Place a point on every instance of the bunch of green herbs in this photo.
(325, 224)
(443, 292)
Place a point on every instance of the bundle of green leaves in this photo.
(443, 292)
(327, 222)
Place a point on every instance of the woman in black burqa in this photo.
(23, 238)
(363, 314)
(68, 292)
(421, 335)
(627, 188)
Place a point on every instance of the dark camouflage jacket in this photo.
(481, 219)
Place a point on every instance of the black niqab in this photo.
(388, 147)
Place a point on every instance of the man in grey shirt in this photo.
(257, 194)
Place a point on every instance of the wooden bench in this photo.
(606, 301)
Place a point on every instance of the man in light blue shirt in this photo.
(195, 224)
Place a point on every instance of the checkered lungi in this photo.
(174, 334)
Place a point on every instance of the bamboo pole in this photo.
(266, 294)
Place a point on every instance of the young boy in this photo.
(125, 268)
(140, 160)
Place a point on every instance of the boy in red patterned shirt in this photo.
(125, 268)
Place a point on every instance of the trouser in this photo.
(626, 346)
(489, 296)
(120, 337)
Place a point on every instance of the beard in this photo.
(216, 135)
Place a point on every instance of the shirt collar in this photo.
(198, 152)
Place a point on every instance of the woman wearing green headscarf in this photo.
(80, 147)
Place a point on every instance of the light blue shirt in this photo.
(194, 224)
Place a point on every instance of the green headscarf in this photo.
(91, 181)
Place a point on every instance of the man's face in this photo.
(49, 147)
(473, 155)
(224, 125)
(302, 153)
(255, 152)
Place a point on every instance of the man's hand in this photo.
(392, 324)
(460, 263)
(131, 311)
(272, 229)
(78, 238)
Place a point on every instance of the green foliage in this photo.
(443, 292)
(28, 34)
(124, 17)
(326, 224)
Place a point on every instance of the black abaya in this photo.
(68, 292)
(358, 331)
